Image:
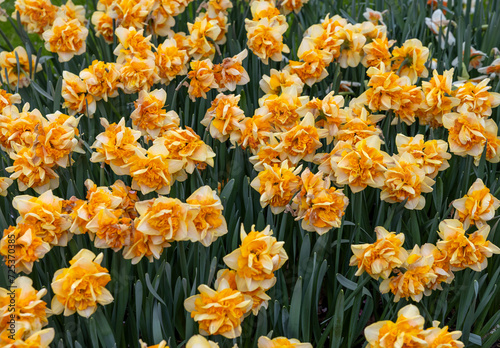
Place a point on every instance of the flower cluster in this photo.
(113, 218)
(204, 76)
(415, 273)
(240, 289)
(63, 28)
(37, 145)
(409, 328)
(175, 151)
(25, 304)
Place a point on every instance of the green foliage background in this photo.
(317, 298)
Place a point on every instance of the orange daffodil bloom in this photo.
(39, 339)
(81, 287)
(437, 337)
(75, 95)
(8, 99)
(328, 114)
(319, 206)
(149, 115)
(208, 220)
(438, 99)
(198, 341)
(202, 79)
(204, 75)
(256, 260)
(470, 135)
(231, 73)
(377, 53)
(259, 297)
(102, 79)
(186, 146)
(431, 155)
(277, 185)
(476, 98)
(416, 280)
(151, 170)
(4, 185)
(116, 145)
(409, 330)
(223, 116)
(28, 247)
(405, 180)
(410, 59)
(265, 32)
(9, 71)
(171, 60)
(382, 257)
(313, 64)
(289, 6)
(361, 165)
(477, 207)
(253, 265)
(301, 141)
(36, 16)
(219, 312)
(278, 81)
(45, 217)
(165, 219)
(277, 342)
(465, 251)
(30, 310)
(66, 37)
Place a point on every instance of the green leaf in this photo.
(338, 320)
(295, 306)
(104, 331)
